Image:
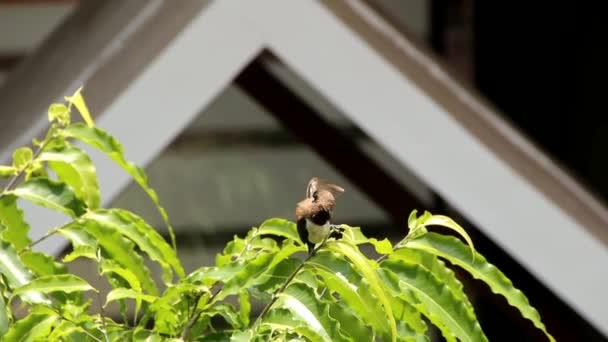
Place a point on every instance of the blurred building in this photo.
(470, 108)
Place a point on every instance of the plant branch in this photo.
(42, 238)
(196, 314)
(12, 181)
(275, 296)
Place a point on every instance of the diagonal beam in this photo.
(331, 143)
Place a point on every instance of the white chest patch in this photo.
(317, 233)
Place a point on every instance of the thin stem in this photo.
(275, 296)
(42, 238)
(103, 318)
(76, 324)
(196, 314)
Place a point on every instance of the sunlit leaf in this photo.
(354, 235)
(78, 101)
(65, 283)
(432, 298)
(22, 157)
(50, 194)
(279, 227)
(5, 315)
(8, 171)
(440, 220)
(58, 112)
(118, 249)
(103, 141)
(367, 269)
(41, 264)
(74, 167)
(244, 307)
(13, 227)
(88, 252)
(142, 234)
(122, 293)
(456, 252)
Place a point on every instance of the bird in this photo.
(313, 214)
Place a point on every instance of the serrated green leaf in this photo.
(58, 112)
(356, 237)
(42, 264)
(279, 227)
(13, 227)
(5, 315)
(409, 320)
(16, 273)
(78, 101)
(340, 277)
(434, 265)
(301, 300)
(50, 194)
(368, 272)
(34, 327)
(109, 266)
(457, 253)
(143, 235)
(8, 171)
(282, 320)
(116, 248)
(65, 283)
(122, 293)
(103, 141)
(74, 167)
(430, 296)
(62, 331)
(440, 220)
(244, 307)
(81, 252)
(22, 157)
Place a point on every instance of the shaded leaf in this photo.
(32, 328)
(50, 194)
(430, 296)
(16, 273)
(456, 252)
(103, 141)
(13, 227)
(74, 167)
(5, 314)
(244, 307)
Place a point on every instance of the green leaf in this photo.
(279, 227)
(8, 171)
(409, 320)
(78, 101)
(431, 297)
(109, 266)
(42, 264)
(5, 314)
(16, 273)
(74, 167)
(282, 319)
(101, 140)
(65, 283)
(440, 220)
(143, 235)
(88, 252)
(13, 227)
(367, 269)
(58, 112)
(244, 307)
(456, 252)
(301, 300)
(116, 248)
(34, 327)
(122, 293)
(50, 194)
(354, 235)
(438, 269)
(22, 157)
(340, 277)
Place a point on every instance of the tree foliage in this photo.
(339, 294)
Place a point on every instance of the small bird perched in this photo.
(313, 214)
